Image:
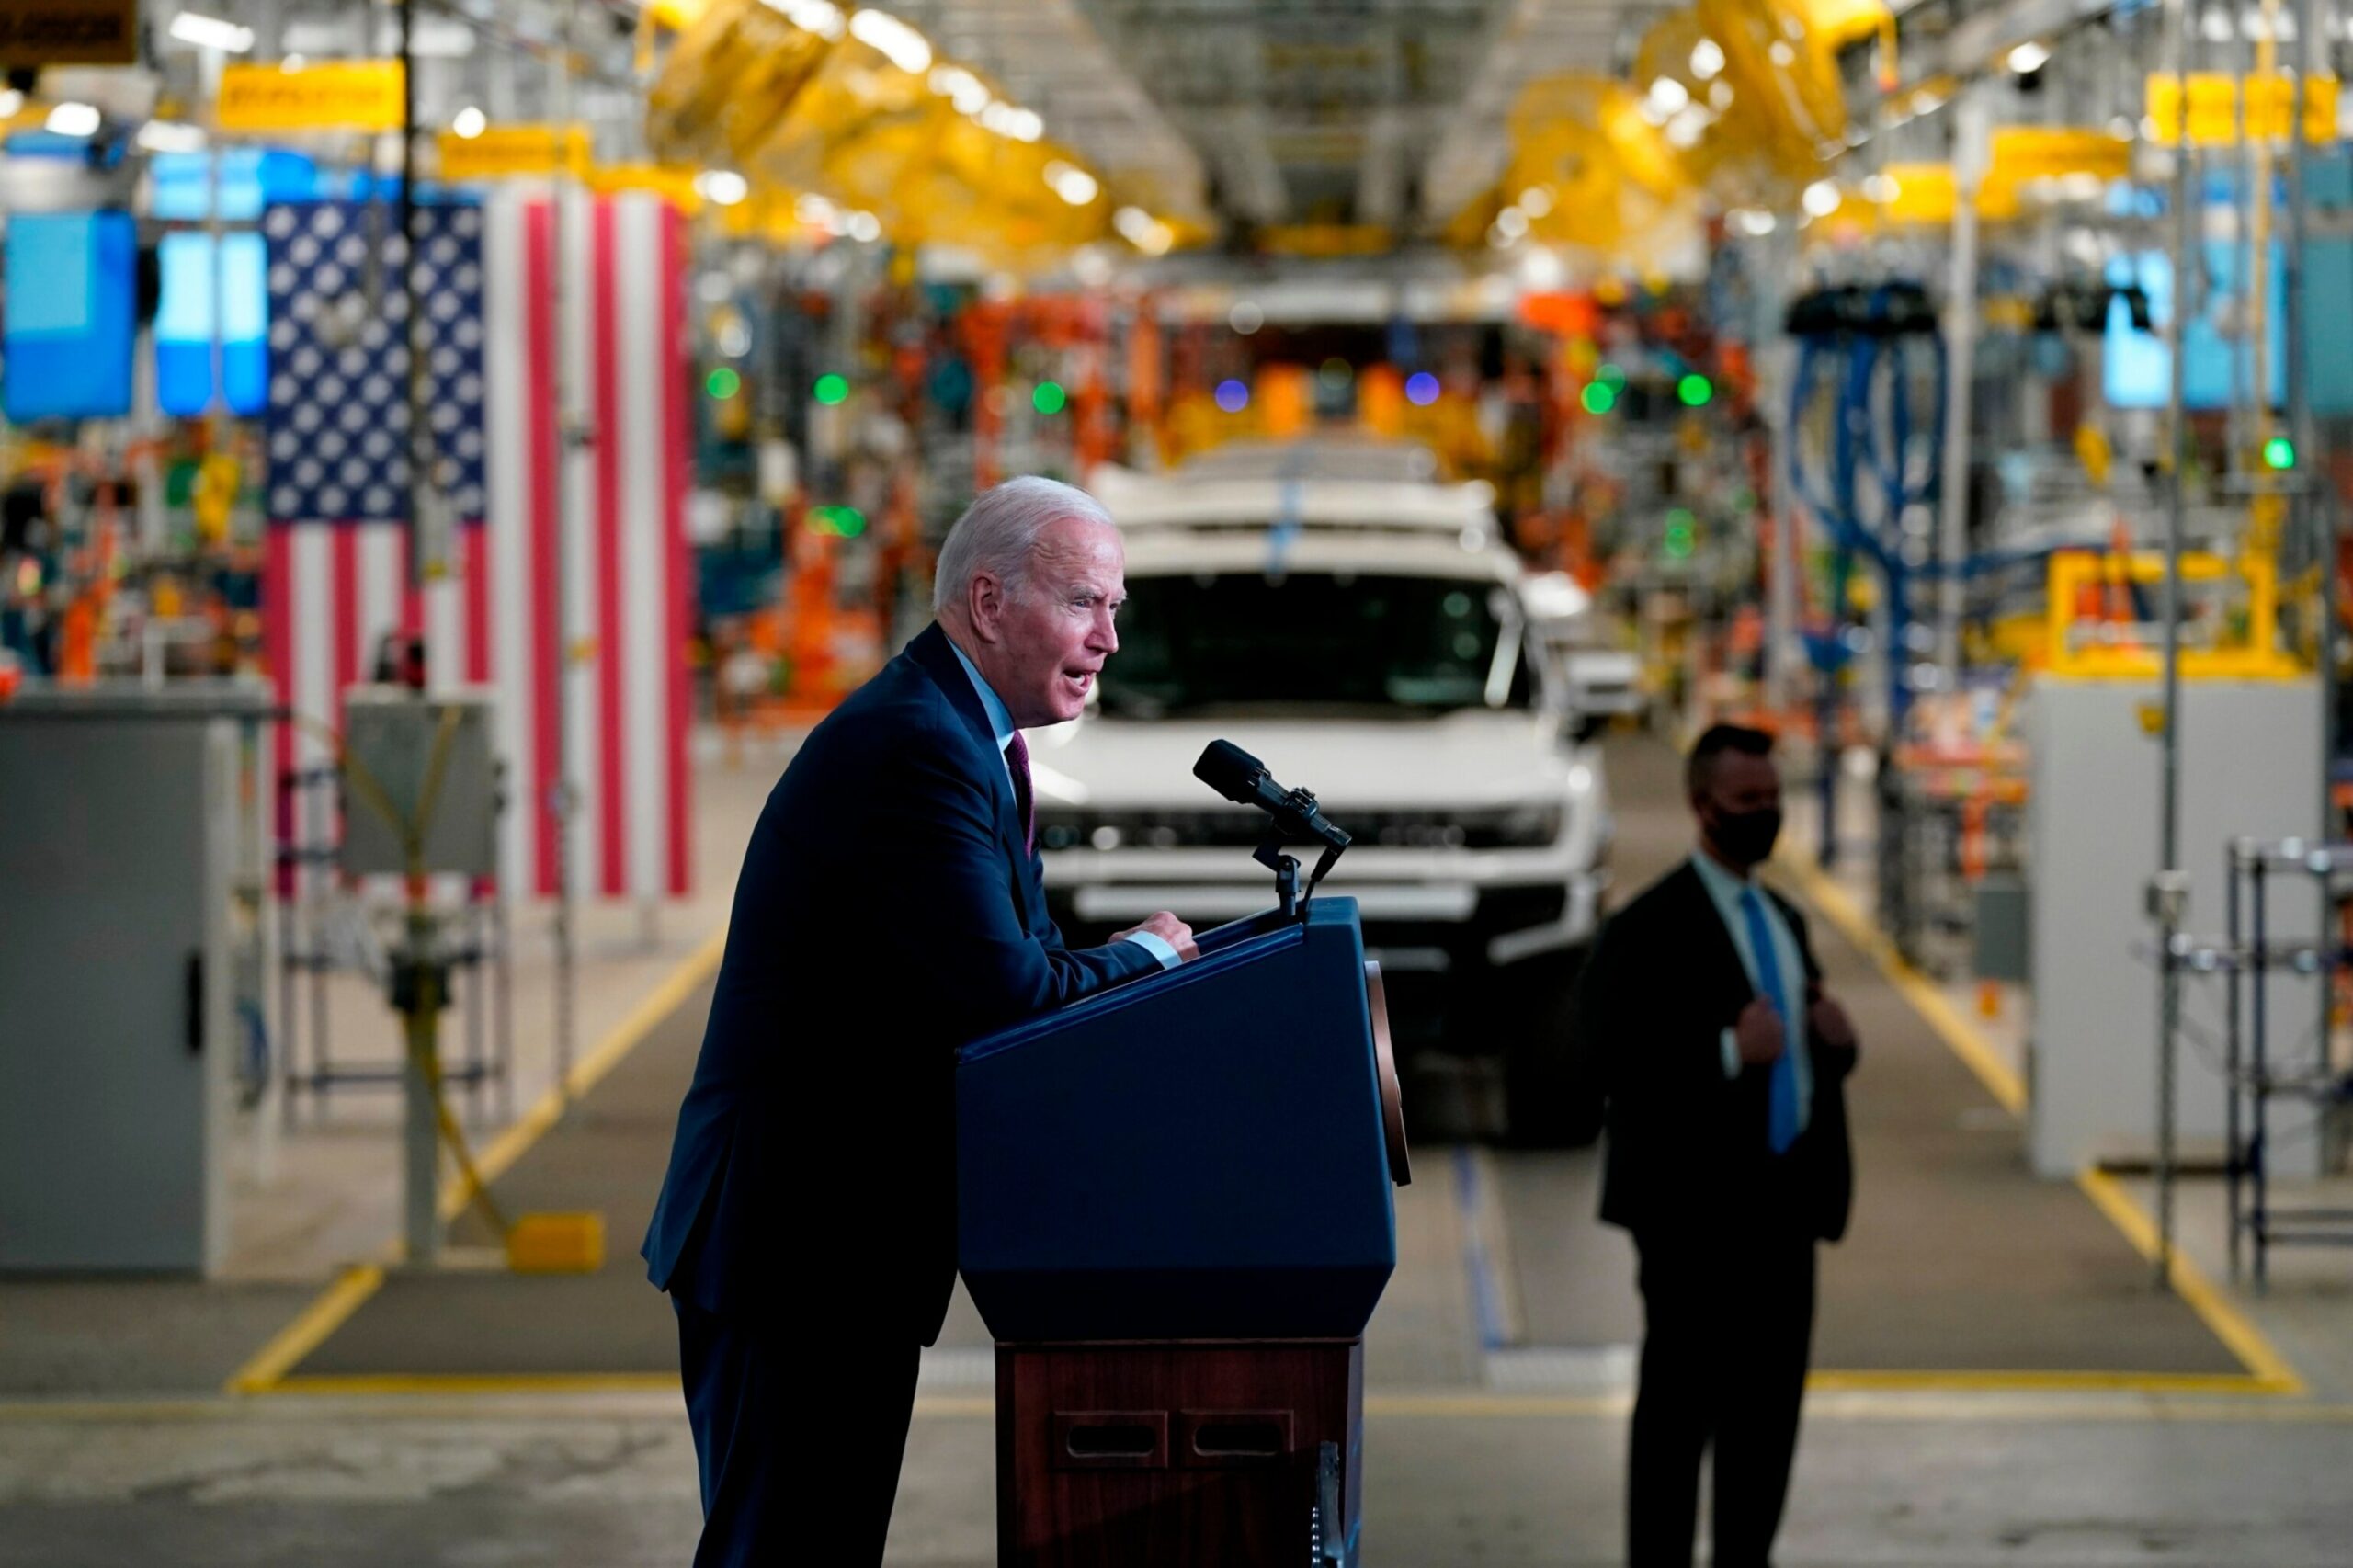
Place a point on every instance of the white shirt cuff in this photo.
(1731, 1054)
(1159, 949)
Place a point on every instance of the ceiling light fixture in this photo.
(1020, 124)
(1075, 186)
(898, 42)
(1144, 230)
(469, 122)
(2028, 56)
(721, 187)
(73, 119)
(1822, 198)
(820, 16)
(211, 33)
(1706, 59)
(966, 92)
(170, 136)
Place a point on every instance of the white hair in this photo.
(998, 534)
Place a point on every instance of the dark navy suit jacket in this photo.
(1687, 1153)
(887, 913)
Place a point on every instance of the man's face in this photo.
(1743, 794)
(1048, 644)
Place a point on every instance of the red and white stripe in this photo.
(611, 718)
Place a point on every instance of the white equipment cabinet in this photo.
(130, 833)
(2250, 767)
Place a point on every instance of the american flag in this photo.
(606, 705)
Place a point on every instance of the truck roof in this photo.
(1173, 553)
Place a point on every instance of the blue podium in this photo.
(1174, 1215)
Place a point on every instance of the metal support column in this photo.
(1970, 157)
(572, 426)
(2232, 1043)
(2166, 886)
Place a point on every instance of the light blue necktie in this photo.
(1781, 1124)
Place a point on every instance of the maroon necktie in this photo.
(1017, 759)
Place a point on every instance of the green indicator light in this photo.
(1611, 377)
(2280, 452)
(1695, 391)
(722, 383)
(841, 522)
(1049, 398)
(831, 390)
(1677, 544)
(1600, 398)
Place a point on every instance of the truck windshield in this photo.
(1316, 642)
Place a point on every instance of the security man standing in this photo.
(1722, 1064)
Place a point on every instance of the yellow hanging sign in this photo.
(329, 94)
(2023, 152)
(2215, 102)
(1918, 193)
(502, 152)
(673, 180)
(69, 32)
(2271, 105)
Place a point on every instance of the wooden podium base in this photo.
(1176, 1453)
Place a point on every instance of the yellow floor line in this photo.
(2219, 1313)
(2268, 1373)
(1982, 1407)
(266, 1373)
(589, 1071)
(2038, 1382)
(366, 1383)
(333, 1308)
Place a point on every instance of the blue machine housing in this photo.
(1196, 1155)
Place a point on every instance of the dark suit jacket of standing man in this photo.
(888, 911)
(1687, 1150)
(1725, 1227)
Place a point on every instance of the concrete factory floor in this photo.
(1999, 1382)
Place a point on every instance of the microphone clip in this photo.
(1299, 818)
(1270, 855)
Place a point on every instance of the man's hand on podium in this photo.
(1169, 930)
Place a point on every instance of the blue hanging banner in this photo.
(250, 178)
(69, 315)
(194, 299)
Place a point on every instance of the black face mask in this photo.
(1747, 835)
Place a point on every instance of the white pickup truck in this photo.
(1370, 639)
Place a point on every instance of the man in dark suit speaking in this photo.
(891, 907)
(1723, 1063)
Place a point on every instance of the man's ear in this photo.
(985, 605)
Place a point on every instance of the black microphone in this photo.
(1243, 778)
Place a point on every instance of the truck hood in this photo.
(1465, 759)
